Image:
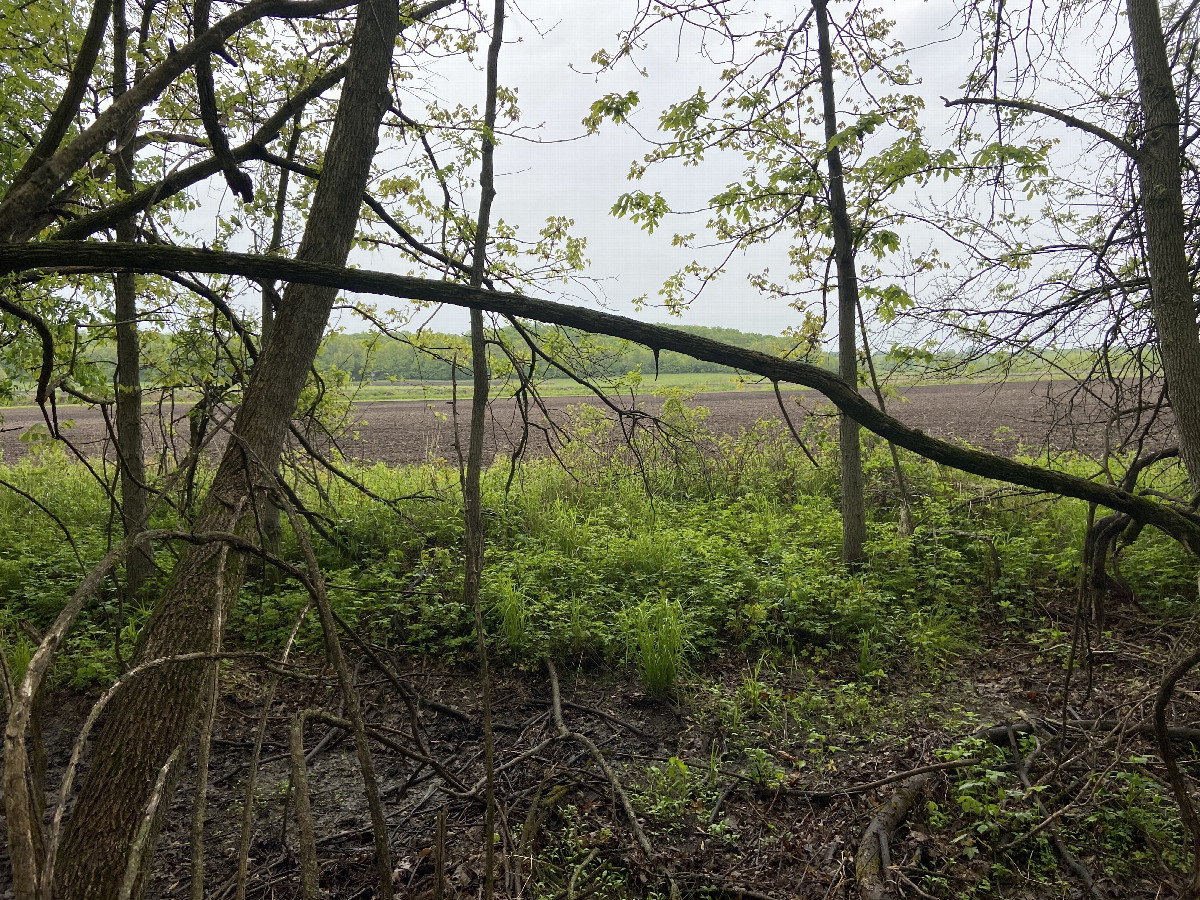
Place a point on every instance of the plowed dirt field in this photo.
(405, 431)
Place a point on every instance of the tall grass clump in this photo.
(509, 602)
(656, 633)
(17, 652)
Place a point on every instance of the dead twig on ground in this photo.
(618, 789)
(1060, 848)
(309, 875)
(890, 779)
(316, 585)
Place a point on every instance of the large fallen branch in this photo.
(873, 861)
(60, 256)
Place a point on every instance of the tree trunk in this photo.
(472, 495)
(272, 522)
(131, 458)
(1160, 183)
(139, 567)
(147, 724)
(854, 510)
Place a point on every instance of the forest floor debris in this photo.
(746, 784)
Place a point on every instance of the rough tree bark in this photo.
(854, 508)
(129, 754)
(1161, 186)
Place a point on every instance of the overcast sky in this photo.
(583, 178)
(548, 174)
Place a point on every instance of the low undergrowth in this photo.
(656, 557)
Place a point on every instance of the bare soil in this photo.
(999, 417)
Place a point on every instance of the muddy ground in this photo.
(1035, 414)
(725, 834)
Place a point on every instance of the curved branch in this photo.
(54, 256)
(206, 92)
(1179, 783)
(376, 207)
(38, 324)
(1050, 112)
(49, 513)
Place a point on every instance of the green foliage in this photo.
(666, 791)
(611, 106)
(567, 844)
(682, 548)
(658, 559)
(935, 638)
(762, 769)
(1127, 820)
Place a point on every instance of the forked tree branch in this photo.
(181, 179)
(28, 200)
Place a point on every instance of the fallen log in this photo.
(874, 859)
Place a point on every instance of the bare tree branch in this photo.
(1050, 112)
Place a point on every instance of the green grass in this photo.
(654, 561)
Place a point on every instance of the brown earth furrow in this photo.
(997, 417)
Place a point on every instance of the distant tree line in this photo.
(430, 356)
